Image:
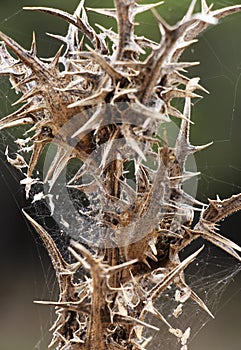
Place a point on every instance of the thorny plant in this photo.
(99, 101)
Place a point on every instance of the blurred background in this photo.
(26, 273)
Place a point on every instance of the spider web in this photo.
(209, 276)
(213, 271)
(213, 281)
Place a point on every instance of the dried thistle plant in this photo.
(98, 101)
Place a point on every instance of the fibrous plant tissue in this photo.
(105, 101)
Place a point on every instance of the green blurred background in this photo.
(26, 273)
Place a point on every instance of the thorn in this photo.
(146, 263)
(55, 61)
(151, 256)
(93, 123)
(226, 11)
(60, 161)
(185, 44)
(84, 188)
(81, 24)
(172, 274)
(178, 93)
(200, 87)
(174, 112)
(147, 112)
(165, 29)
(92, 100)
(33, 50)
(58, 37)
(150, 308)
(105, 65)
(37, 150)
(200, 148)
(80, 8)
(58, 262)
(187, 175)
(34, 91)
(54, 341)
(176, 66)
(24, 81)
(122, 266)
(183, 136)
(152, 245)
(195, 297)
(130, 141)
(54, 164)
(32, 109)
(137, 321)
(188, 199)
(92, 262)
(204, 7)
(109, 12)
(32, 62)
(14, 120)
(203, 230)
(83, 262)
(189, 11)
(142, 8)
(201, 303)
(50, 303)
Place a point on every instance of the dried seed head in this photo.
(104, 107)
